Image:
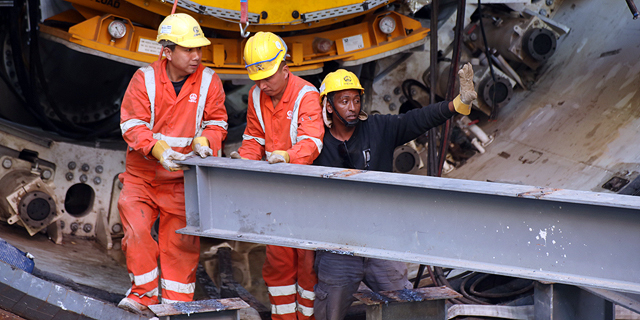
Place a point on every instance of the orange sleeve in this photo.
(135, 115)
(310, 130)
(253, 138)
(215, 115)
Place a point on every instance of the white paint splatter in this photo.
(543, 235)
(624, 101)
(530, 229)
(553, 241)
(537, 237)
(547, 254)
(582, 44)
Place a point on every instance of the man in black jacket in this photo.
(355, 140)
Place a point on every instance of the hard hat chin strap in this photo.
(346, 123)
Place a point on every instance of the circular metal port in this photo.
(540, 44)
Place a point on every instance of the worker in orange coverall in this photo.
(284, 124)
(171, 107)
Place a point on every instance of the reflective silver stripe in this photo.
(218, 123)
(258, 140)
(167, 301)
(152, 293)
(207, 74)
(283, 308)
(306, 311)
(255, 95)
(174, 142)
(282, 290)
(305, 294)
(150, 84)
(293, 130)
(132, 123)
(317, 141)
(179, 287)
(144, 278)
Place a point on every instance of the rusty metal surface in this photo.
(202, 306)
(407, 295)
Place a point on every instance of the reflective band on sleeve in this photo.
(283, 308)
(144, 278)
(218, 123)
(315, 140)
(175, 286)
(306, 311)
(125, 126)
(255, 95)
(258, 140)
(282, 290)
(293, 130)
(207, 75)
(174, 142)
(305, 294)
(150, 84)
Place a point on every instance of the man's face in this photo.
(183, 60)
(347, 103)
(274, 85)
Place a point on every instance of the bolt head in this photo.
(97, 180)
(71, 165)
(83, 178)
(69, 176)
(7, 163)
(99, 169)
(85, 167)
(47, 174)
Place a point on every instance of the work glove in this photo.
(201, 147)
(278, 156)
(236, 155)
(167, 156)
(462, 103)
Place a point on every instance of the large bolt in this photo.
(87, 228)
(85, 167)
(403, 99)
(83, 178)
(392, 107)
(116, 228)
(99, 169)
(549, 2)
(46, 174)
(69, 176)
(397, 90)
(74, 226)
(97, 180)
(71, 165)
(386, 98)
(7, 163)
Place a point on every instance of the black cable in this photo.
(494, 111)
(472, 290)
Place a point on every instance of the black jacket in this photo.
(372, 144)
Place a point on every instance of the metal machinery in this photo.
(66, 64)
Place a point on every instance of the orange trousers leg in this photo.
(290, 279)
(140, 204)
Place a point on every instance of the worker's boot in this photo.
(135, 307)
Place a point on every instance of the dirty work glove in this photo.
(167, 156)
(462, 103)
(278, 156)
(201, 147)
(236, 155)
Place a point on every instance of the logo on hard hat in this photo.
(196, 31)
(347, 79)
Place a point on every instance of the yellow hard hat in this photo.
(338, 80)
(183, 30)
(263, 54)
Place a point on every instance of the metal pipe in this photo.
(453, 72)
(632, 7)
(432, 164)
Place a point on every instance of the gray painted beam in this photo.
(566, 236)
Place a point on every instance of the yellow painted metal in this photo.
(276, 21)
(225, 55)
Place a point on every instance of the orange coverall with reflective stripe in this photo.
(150, 191)
(288, 272)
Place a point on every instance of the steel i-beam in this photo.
(565, 236)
